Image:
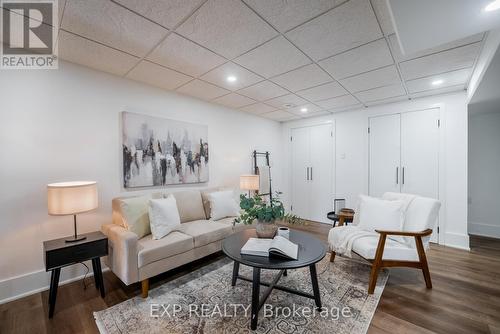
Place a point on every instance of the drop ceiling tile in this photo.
(79, 50)
(258, 108)
(302, 78)
(323, 92)
(347, 108)
(244, 78)
(279, 115)
(311, 108)
(289, 99)
(168, 13)
(453, 78)
(274, 57)
(263, 90)
(113, 25)
(445, 61)
(382, 77)
(438, 91)
(338, 102)
(398, 55)
(234, 100)
(185, 56)
(157, 75)
(202, 90)
(362, 59)
(226, 27)
(388, 100)
(284, 15)
(383, 15)
(316, 114)
(381, 93)
(345, 27)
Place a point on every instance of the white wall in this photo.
(351, 157)
(60, 125)
(484, 178)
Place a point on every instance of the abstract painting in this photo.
(159, 151)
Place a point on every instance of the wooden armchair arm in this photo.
(423, 233)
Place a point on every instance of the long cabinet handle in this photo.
(403, 176)
(397, 175)
(307, 173)
(311, 173)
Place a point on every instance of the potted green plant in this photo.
(266, 214)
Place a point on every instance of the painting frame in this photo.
(158, 152)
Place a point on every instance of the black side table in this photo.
(59, 253)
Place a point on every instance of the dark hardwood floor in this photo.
(465, 297)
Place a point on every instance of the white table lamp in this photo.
(71, 198)
(249, 182)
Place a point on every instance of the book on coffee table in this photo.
(278, 246)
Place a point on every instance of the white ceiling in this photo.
(425, 24)
(323, 55)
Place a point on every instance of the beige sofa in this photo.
(135, 259)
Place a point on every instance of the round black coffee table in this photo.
(311, 251)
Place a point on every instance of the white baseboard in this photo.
(457, 240)
(27, 284)
(485, 230)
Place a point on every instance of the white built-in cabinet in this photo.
(404, 153)
(312, 171)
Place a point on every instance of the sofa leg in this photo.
(332, 256)
(145, 288)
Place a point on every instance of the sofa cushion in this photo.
(223, 204)
(190, 205)
(205, 231)
(206, 200)
(133, 213)
(151, 250)
(393, 250)
(236, 227)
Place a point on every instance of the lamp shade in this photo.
(249, 182)
(70, 198)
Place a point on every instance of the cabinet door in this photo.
(321, 172)
(384, 154)
(420, 154)
(300, 172)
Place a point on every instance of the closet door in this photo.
(420, 153)
(384, 154)
(300, 172)
(321, 172)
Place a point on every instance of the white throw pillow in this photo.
(163, 216)
(379, 214)
(223, 204)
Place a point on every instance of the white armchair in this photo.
(405, 248)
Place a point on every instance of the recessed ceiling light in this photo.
(437, 82)
(231, 78)
(494, 5)
(303, 109)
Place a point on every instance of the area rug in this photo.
(205, 302)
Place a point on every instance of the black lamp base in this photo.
(76, 238)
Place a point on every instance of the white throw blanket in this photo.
(344, 237)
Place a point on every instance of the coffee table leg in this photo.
(285, 273)
(255, 297)
(236, 269)
(315, 286)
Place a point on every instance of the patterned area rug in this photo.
(205, 302)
